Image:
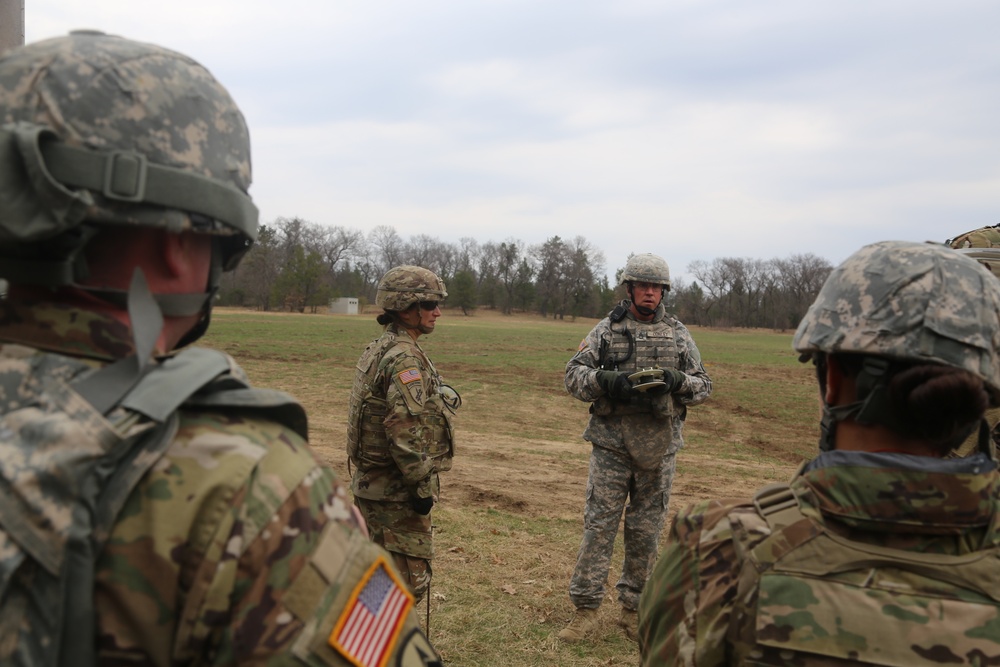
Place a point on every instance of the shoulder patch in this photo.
(583, 345)
(409, 375)
(373, 617)
(416, 651)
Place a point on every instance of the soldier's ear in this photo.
(185, 257)
(836, 384)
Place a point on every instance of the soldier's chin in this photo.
(426, 328)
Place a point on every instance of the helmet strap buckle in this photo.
(125, 176)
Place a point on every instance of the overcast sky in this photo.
(690, 129)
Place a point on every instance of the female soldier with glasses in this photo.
(399, 434)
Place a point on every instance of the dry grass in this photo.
(510, 520)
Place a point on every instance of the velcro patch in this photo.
(583, 345)
(369, 626)
(409, 375)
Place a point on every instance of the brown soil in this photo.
(548, 478)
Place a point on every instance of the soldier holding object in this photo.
(640, 370)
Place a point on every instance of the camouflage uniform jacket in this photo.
(236, 547)
(663, 342)
(402, 431)
(695, 609)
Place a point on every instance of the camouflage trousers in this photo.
(612, 481)
(406, 535)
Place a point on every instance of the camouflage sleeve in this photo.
(697, 386)
(684, 609)
(406, 395)
(581, 370)
(239, 549)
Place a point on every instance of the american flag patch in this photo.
(409, 375)
(370, 623)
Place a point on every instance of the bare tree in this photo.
(800, 278)
(468, 254)
(508, 260)
(258, 272)
(338, 245)
(488, 284)
(386, 248)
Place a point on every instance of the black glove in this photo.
(673, 379)
(615, 384)
(422, 505)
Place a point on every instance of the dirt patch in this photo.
(545, 478)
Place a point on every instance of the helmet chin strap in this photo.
(177, 305)
(871, 407)
(422, 328)
(214, 278)
(643, 310)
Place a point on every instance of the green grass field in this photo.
(509, 524)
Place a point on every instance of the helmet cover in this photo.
(646, 268)
(140, 107)
(403, 286)
(914, 302)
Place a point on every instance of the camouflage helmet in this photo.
(915, 302)
(982, 245)
(98, 130)
(646, 268)
(403, 286)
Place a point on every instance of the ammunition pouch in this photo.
(373, 445)
(439, 436)
(659, 406)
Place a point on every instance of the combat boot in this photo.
(583, 625)
(629, 622)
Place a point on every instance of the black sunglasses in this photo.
(428, 305)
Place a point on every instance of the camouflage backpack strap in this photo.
(228, 394)
(758, 535)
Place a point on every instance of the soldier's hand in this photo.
(615, 384)
(673, 378)
(422, 505)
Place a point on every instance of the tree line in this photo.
(300, 266)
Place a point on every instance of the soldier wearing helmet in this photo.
(982, 245)
(158, 509)
(399, 433)
(881, 550)
(639, 369)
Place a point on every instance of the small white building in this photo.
(347, 305)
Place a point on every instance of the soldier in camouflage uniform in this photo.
(636, 430)
(154, 508)
(983, 245)
(881, 551)
(399, 433)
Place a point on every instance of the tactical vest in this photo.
(367, 441)
(809, 597)
(74, 442)
(633, 346)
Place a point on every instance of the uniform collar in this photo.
(64, 329)
(901, 493)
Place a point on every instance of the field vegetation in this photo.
(509, 524)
